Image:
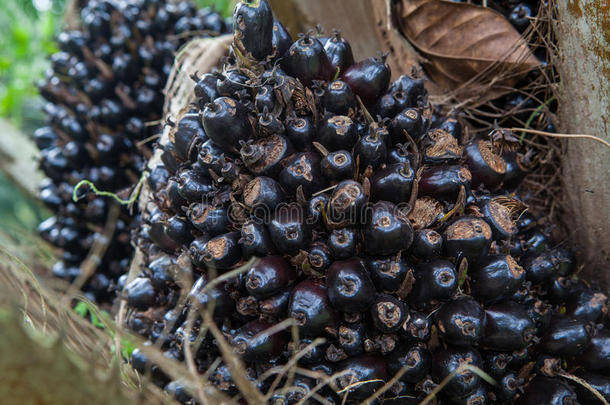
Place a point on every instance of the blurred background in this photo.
(27, 32)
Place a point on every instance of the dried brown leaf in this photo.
(471, 50)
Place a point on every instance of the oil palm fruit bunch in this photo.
(372, 223)
(104, 95)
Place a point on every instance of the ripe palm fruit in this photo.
(103, 88)
(253, 25)
(393, 258)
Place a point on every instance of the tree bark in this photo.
(584, 43)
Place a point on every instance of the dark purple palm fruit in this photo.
(366, 367)
(386, 230)
(226, 122)
(311, 308)
(350, 288)
(346, 204)
(289, 229)
(368, 79)
(253, 343)
(337, 132)
(339, 98)
(281, 39)
(269, 276)
(337, 166)
(389, 275)
(300, 131)
(339, 53)
(565, 336)
(371, 150)
(508, 327)
(253, 28)
(495, 278)
(302, 171)
(435, 281)
(407, 122)
(596, 356)
(461, 321)
(264, 156)
(447, 361)
(444, 182)
(468, 236)
(485, 164)
(306, 60)
(547, 391)
(394, 183)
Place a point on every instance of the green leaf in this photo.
(81, 309)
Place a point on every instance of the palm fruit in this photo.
(396, 241)
(104, 100)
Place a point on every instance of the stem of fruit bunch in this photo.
(132, 198)
(554, 135)
(455, 372)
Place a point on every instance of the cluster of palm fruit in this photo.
(371, 221)
(103, 92)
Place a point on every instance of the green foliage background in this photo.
(26, 41)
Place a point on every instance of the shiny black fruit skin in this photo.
(363, 368)
(264, 156)
(351, 338)
(193, 185)
(434, 281)
(289, 230)
(218, 296)
(315, 208)
(301, 132)
(319, 257)
(343, 243)
(209, 219)
(350, 288)
(409, 121)
(386, 230)
(413, 89)
(281, 39)
(307, 61)
(469, 236)
(255, 240)
(541, 267)
(205, 89)
(495, 278)
(499, 216)
(140, 293)
(444, 182)
(311, 307)
(253, 27)
(221, 252)
(388, 313)
(461, 321)
(269, 276)
(337, 166)
(388, 275)
(262, 195)
(253, 344)
(427, 244)
(596, 356)
(187, 134)
(417, 360)
(368, 79)
(520, 16)
(347, 203)
(339, 98)
(275, 306)
(339, 52)
(336, 132)
(226, 123)
(586, 304)
(446, 361)
(416, 328)
(547, 391)
(565, 336)
(302, 170)
(371, 150)
(507, 327)
(393, 183)
(486, 166)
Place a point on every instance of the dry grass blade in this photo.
(455, 372)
